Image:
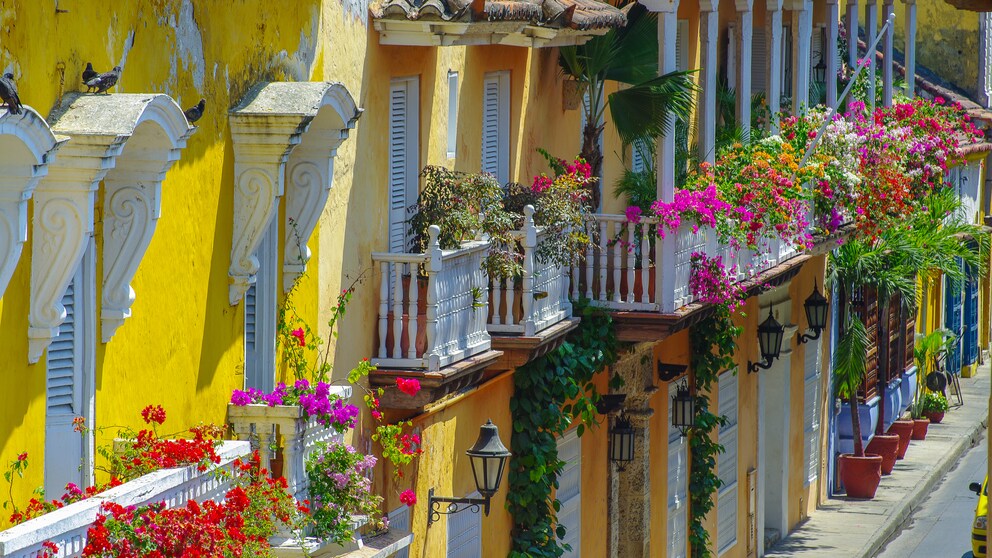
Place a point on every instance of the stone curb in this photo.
(909, 504)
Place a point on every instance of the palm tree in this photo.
(642, 110)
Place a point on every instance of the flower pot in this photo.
(276, 464)
(860, 475)
(920, 428)
(887, 446)
(935, 416)
(904, 428)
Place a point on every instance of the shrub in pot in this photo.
(934, 406)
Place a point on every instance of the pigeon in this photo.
(105, 81)
(8, 92)
(194, 113)
(89, 73)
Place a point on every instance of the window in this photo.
(569, 492)
(260, 315)
(682, 45)
(465, 534)
(404, 160)
(726, 523)
(759, 61)
(70, 384)
(399, 519)
(496, 125)
(452, 114)
(678, 486)
(811, 410)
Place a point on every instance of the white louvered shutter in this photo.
(732, 56)
(816, 48)
(726, 536)
(260, 315)
(682, 45)
(465, 534)
(638, 153)
(759, 61)
(404, 123)
(570, 492)
(496, 125)
(399, 519)
(811, 411)
(678, 487)
(63, 396)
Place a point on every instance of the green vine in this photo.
(713, 348)
(549, 393)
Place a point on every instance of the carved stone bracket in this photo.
(267, 126)
(130, 141)
(27, 146)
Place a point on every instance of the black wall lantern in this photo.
(488, 457)
(820, 70)
(683, 408)
(816, 306)
(770, 334)
(621, 442)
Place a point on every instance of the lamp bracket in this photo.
(668, 372)
(804, 337)
(454, 505)
(763, 365)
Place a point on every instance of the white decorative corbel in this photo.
(24, 162)
(63, 223)
(266, 128)
(130, 141)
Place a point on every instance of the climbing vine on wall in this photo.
(713, 347)
(549, 393)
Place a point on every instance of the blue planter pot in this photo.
(893, 402)
(868, 413)
(908, 388)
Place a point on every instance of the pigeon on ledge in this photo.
(194, 113)
(8, 92)
(105, 81)
(89, 73)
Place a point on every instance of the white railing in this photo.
(264, 426)
(539, 299)
(442, 325)
(622, 257)
(67, 527)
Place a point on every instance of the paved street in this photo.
(941, 526)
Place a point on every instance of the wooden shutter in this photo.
(726, 536)
(816, 52)
(811, 411)
(970, 333)
(867, 310)
(570, 492)
(496, 126)
(465, 534)
(953, 314)
(895, 350)
(404, 162)
(909, 337)
(678, 487)
(638, 153)
(759, 61)
(260, 315)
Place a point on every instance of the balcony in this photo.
(644, 280)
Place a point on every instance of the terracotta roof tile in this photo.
(573, 14)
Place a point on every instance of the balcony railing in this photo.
(429, 322)
(67, 527)
(626, 268)
(539, 298)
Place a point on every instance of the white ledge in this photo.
(130, 141)
(267, 127)
(27, 146)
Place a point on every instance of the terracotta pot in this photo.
(886, 445)
(860, 475)
(920, 428)
(904, 428)
(935, 416)
(276, 464)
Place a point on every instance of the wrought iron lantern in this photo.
(820, 70)
(488, 457)
(816, 306)
(770, 334)
(621, 442)
(683, 408)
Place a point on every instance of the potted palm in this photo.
(934, 406)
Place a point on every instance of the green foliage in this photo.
(850, 358)
(713, 345)
(549, 393)
(934, 402)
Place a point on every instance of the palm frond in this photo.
(648, 109)
(850, 359)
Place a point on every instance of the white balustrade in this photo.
(265, 426)
(444, 324)
(536, 300)
(67, 527)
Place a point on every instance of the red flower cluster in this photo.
(152, 413)
(408, 386)
(38, 506)
(150, 453)
(409, 444)
(408, 497)
(300, 336)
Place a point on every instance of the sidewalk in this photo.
(859, 528)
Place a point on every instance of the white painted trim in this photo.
(452, 114)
